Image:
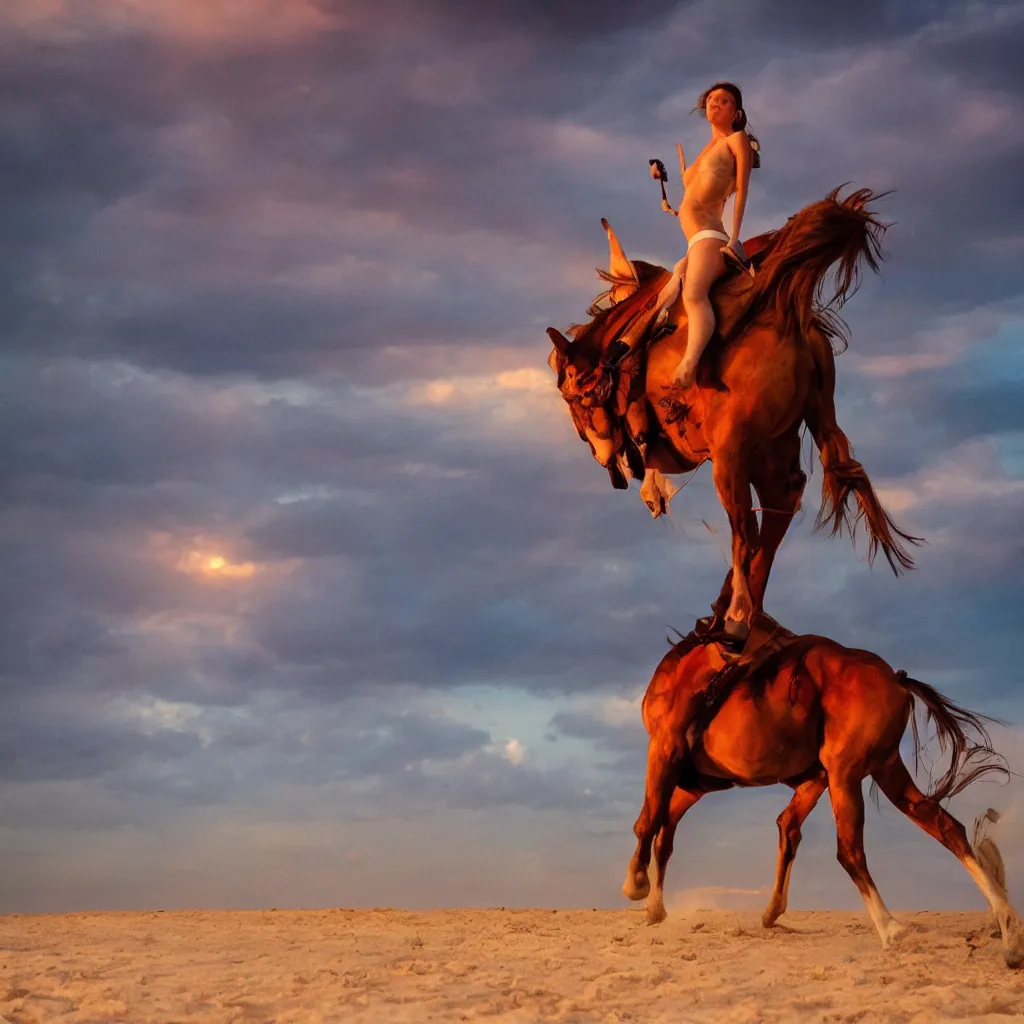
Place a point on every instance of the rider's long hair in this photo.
(739, 121)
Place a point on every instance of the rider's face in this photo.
(720, 108)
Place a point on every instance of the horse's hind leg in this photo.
(682, 801)
(895, 782)
(732, 482)
(848, 806)
(724, 599)
(779, 482)
(805, 796)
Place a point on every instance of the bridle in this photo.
(595, 393)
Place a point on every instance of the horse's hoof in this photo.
(636, 887)
(893, 932)
(657, 914)
(1013, 944)
(737, 628)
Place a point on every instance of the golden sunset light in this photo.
(484, 484)
(204, 565)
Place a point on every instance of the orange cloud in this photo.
(197, 21)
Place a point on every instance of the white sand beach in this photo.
(350, 966)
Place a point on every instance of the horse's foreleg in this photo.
(664, 758)
(805, 796)
(732, 482)
(656, 492)
(660, 458)
(895, 782)
(682, 800)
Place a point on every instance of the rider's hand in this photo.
(666, 207)
(737, 248)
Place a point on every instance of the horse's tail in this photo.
(800, 254)
(967, 761)
(844, 476)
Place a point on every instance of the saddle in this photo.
(766, 637)
(766, 645)
(629, 354)
(737, 279)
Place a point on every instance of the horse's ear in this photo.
(618, 266)
(559, 340)
(618, 292)
(560, 352)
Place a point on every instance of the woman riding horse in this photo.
(721, 169)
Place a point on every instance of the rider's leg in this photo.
(705, 263)
(670, 292)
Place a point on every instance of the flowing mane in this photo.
(793, 266)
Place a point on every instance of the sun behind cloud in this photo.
(207, 565)
(513, 752)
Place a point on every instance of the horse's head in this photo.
(588, 388)
(586, 365)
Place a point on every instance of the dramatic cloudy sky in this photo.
(312, 595)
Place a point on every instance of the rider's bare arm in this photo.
(682, 185)
(739, 143)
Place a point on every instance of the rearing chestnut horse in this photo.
(773, 373)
